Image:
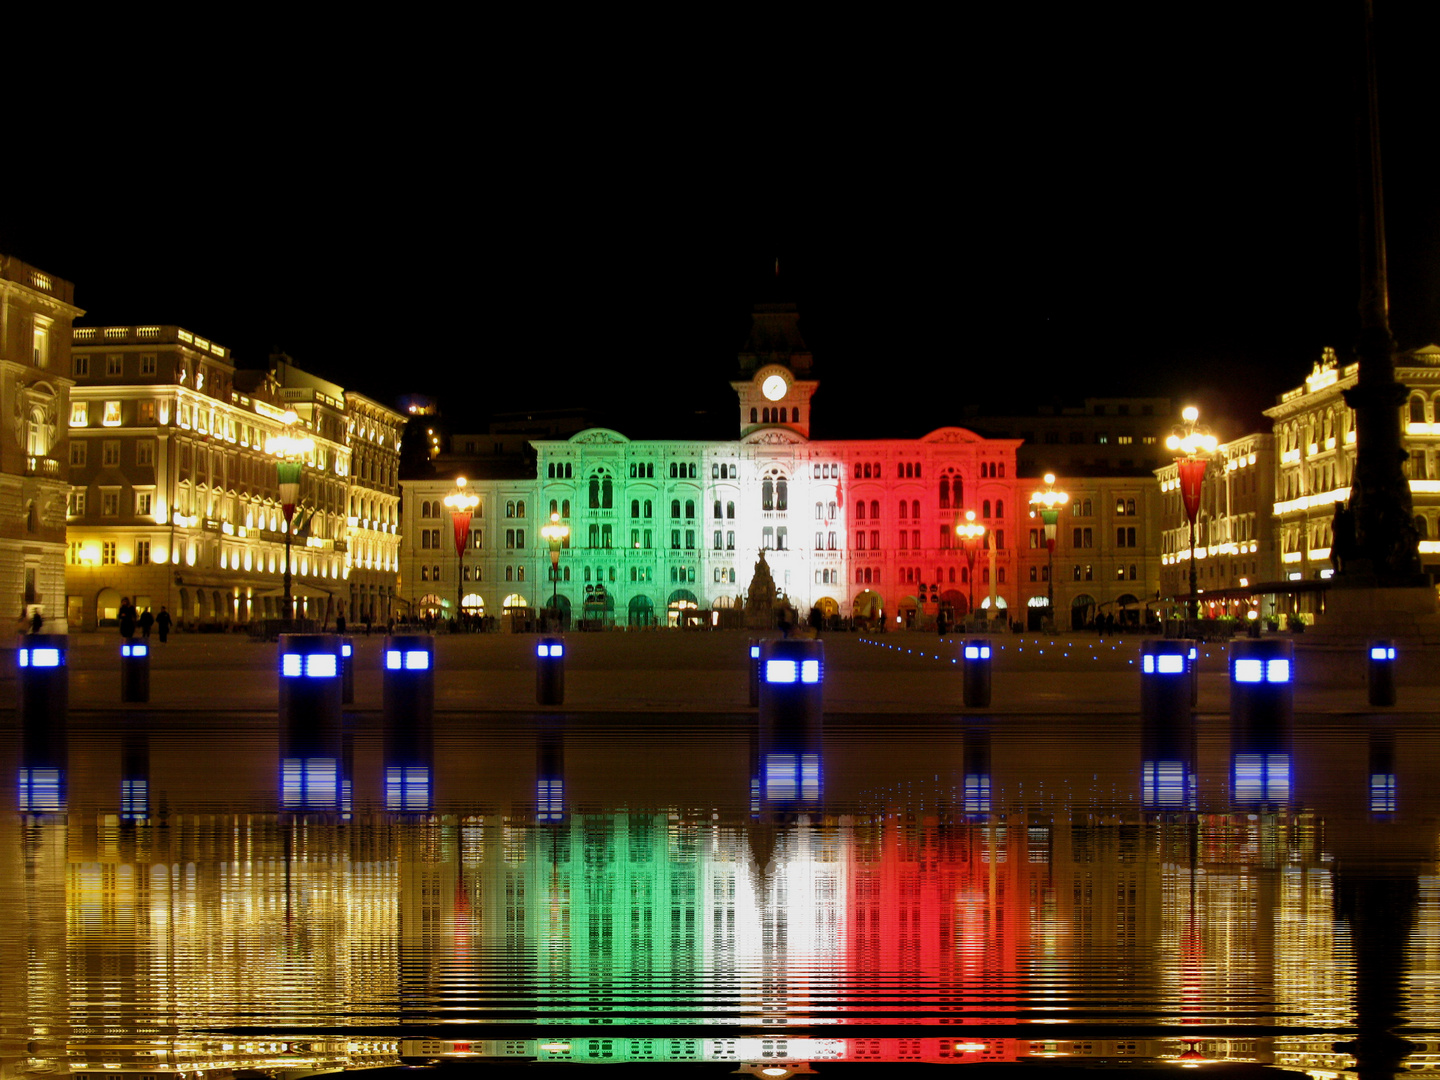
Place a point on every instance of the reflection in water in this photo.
(943, 898)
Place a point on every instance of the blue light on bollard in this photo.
(347, 650)
(42, 658)
(407, 660)
(789, 671)
(309, 666)
(311, 722)
(977, 652)
(975, 673)
(551, 651)
(1167, 682)
(792, 720)
(1381, 652)
(754, 652)
(550, 672)
(1164, 664)
(1380, 673)
(134, 650)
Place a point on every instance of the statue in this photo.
(760, 600)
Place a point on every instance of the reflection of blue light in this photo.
(754, 652)
(134, 650)
(1382, 793)
(39, 791)
(1248, 670)
(1262, 777)
(550, 650)
(549, 799)
(39, 657)
(134, 800)
(792, 776)
(417, 660)
(1163, 783)
(310, 783)
(1380, 652)
(781, 671)
(977, 793)
(346, 649)
(407, 787)
(977, 652)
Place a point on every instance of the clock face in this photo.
(773, 387)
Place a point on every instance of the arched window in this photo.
(519, 508)
(607, 493)
(674, 508)
(859, 576)
(1422, 527)
(985, 509)
(634, 508)
(860, 511)
(904, 510)
(915, 509)
(782, 495)
(753, 416)
(819, 511)
(1130, 507)
(690, 509)
(875, 509)
(867, 472)
(857, 470)
(767, 494)
(957, 492)
(649, 509)
(999, 508)
(765, 415)
(1417, 409)
(425, 509)
(554, 506)
(831, 508)
(795, 415)
(729, 510)
(944, 494)
(717, 508)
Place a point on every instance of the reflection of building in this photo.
(36, 311)
(175, 502)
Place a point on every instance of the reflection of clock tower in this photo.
(775, 362)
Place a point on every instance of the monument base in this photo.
(1335, 651)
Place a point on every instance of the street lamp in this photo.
(970, 532)
(462, 504)
(1047, 504)
(555, 533)
(291, 449)
(1194, 444)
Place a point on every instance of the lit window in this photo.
(79, 413)
(112, 414)
(41, 342)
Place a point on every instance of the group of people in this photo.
(130, 621)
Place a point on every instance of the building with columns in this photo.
(36, 312)
(174, 500)
(666, 531)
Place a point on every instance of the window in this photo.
(107, 553)
(110, 453)
(80, 366)
(145, 412)
(114, 364)
(520, 513)
(689, 509)
(674, 508)
(142, 552)
(718, 511)
(905, 510)
(112, 414)
(75, 504)
(729, 511)
(999, 539)
(767, 538)
(782, 498)
(874, 540)
(143, 500)
(79, 413)
(145, 452)
(674, 539)
(109, 504)
(780, 538)
(860, 511)
(718, 540)
(689, 539)
(985, 509)
(147, 363)
(510, 509)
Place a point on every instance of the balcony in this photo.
(42, 466)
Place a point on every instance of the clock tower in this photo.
(774, 390)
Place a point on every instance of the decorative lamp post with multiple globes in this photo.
(292, 450)
(970, 532)
(555, 533)
(461, 505)
(1047, 503)
(1194, 444)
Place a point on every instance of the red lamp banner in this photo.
(288, 474)
(461, 520)
(1192, 473)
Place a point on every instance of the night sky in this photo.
(1049, 204)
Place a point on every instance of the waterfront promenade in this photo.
(677, 672)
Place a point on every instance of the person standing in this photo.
(127, 618)
(147, 620)
(162, 623)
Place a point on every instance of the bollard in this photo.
(976, 654)
(550, 671)
(347, 671)
(134, 671)
(1382, 672)
(754, 672)
(1167, 679)
(792, 719)
(310, 722)
(407, 716)
(44, 696)
(1262, 706)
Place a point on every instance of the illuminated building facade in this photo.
(1100, 436)
(175, 502)
(36, 311)
(1235, 543)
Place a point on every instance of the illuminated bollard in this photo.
(408, 682)
(1262, 684)
(310, 722)
(44, 679)
(44, 696)
(1382, 673)
(975, 654)
(792, 706)
(134, 671)
(1167, 679)
(550, 671)
(347, 670)
(754, 672)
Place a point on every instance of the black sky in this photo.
(996, 210)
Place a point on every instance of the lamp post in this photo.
(291, 449)
(555, 533)
(462, 504)
(1047, 503)
(970, 531)
(1194, 444)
